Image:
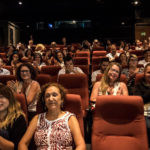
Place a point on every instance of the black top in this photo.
(15, 132)
(142, 89)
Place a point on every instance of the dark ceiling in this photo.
(42, 10)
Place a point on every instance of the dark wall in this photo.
(115, 32)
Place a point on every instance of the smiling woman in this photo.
(109, 84)
(12, 120)
(53, 124)
(27, 85)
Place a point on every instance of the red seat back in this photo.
(5, 78)
(76, 84)
(119, 124)
(43, 79)
(138, 78)
(21, 98)
(51, 70)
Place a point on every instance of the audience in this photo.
(55, 126)
(108, 85)
(12, 120)
(27, 85)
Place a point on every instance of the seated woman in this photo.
(59, 59)
(131, 71)
(48, 57)
(14, 61)
(26, 84)
(123, 60)
(29, 55)
(12, 120)
(143, 89)
(38, 62)
(55, 128)
(109, 84)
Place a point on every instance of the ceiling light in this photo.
(136, 2)
(20, 3)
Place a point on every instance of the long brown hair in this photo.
(14, 108)
(105, 79)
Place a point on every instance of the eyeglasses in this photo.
(114, 70)
(25, 71)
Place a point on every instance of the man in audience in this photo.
(146, 60)
(113, 53)
(69, 67)
(3, 71)
(103, 65)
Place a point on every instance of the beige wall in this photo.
(140, 28)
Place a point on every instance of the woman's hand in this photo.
(12, 85)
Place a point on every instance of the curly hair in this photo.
(31, 68)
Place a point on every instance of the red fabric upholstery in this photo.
(5, 78)
(81, 61)
(3, 55)
(21, 98)
(96, 60)
(138, 77)
(51, 70)
(137, 52)
(43, 79)
(119, 124)
(122, 78)
(76, 84)
(84, 68)
(82, 54)
(100, 48)
(95, 67)
(72, 104)
(99, 53)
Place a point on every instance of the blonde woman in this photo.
(12, 120)
(109, 84)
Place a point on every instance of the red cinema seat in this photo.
(119, 124)
(51, 70)
(76, 84)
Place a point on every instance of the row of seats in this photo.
(74, 83)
